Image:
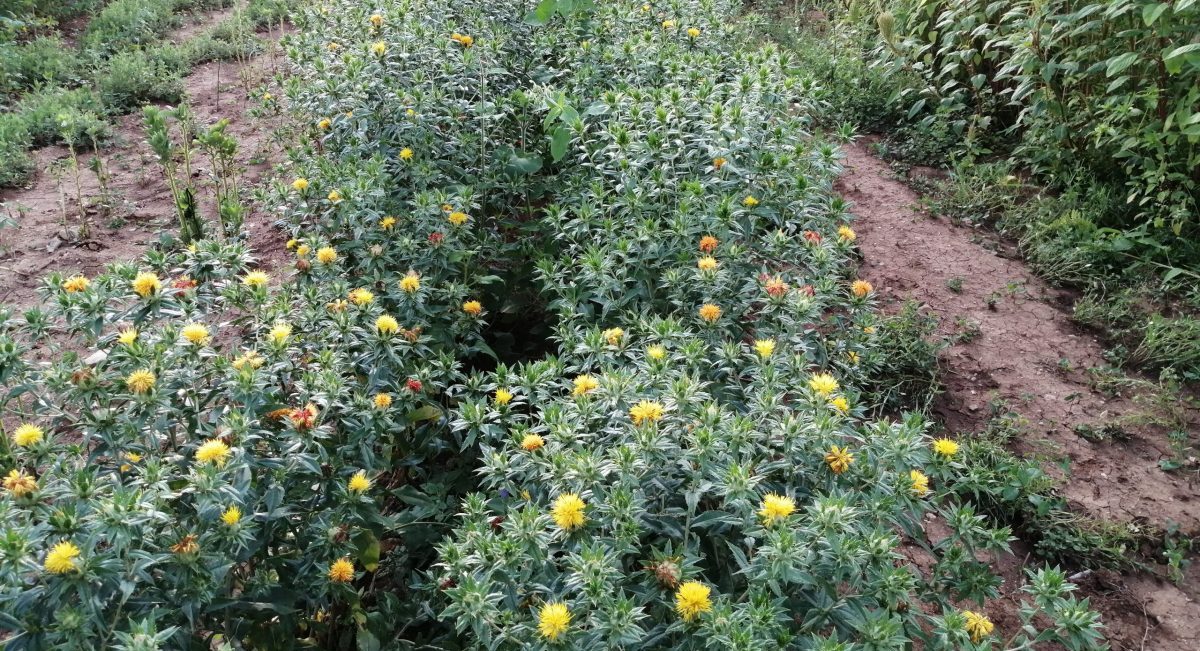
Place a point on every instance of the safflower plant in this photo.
(336, 454)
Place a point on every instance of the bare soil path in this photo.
(1025, 351)
(44, 241)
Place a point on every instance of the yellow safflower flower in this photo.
(19, 484)
(646, 411)
(861, 288)
(978, 625)
(300, 184)
(532, 442)
(839, 459)
(473, 308)
(27, 434)
(127, 337)
(585, 384)
(693, 32)
(280, 332)
(361, 296)
(656, 352)
(387, 223)
(553, 620)
(75, 284)
(140, 381)
(613, 336)
(823, 384)
(248, 359)
(324, 124)
(195, 333)
(341, 571)
(378, 48)
(709, 312)
(764, 347)
(840, 404)
(945, 447)
(382, 400)
(410, 283)
(406, 154)
(334, 196)
(146, 283)
(326, 255)
(750, 201)
(457, 218)
(567, 511)
(386, 324)
(61, 558)
(303, 250)
(213, 451)
(358, 482)
(776, 507)
(920, 482)
(846, 234)
(668, 24)
(256, 279)
(231, 516)
(503, 396)
(376, 20)
(707, 263)
(692, 600)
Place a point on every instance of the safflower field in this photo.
(563, 343)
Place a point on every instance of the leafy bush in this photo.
(1111, 88)
(41, 112)
(140, 77)
(16, 165)
(45, 60)
(33, 10)
(125, 23)
(904, 362)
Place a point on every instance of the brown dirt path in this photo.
(143, 207)
(1023, 331)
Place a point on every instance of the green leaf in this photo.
(1117, 64)
(542, 14)
(558, 143)
(368, 549)
(1181, 50)
(522, 164)
(428, 412)
(1152, 12)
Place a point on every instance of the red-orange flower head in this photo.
(776, 287)
(305, 417)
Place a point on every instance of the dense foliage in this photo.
(1072, 128)
(374, 453)
(61, 87)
